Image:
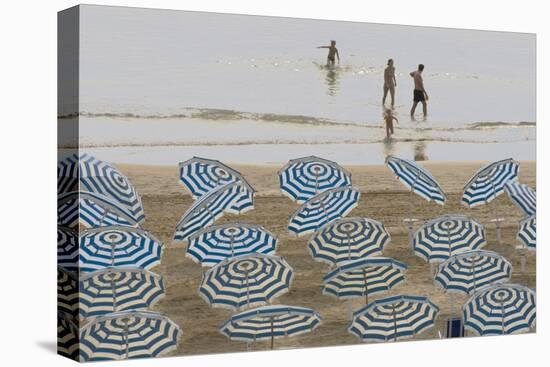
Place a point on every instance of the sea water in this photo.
(160, 86)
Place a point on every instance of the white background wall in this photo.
(27, 204)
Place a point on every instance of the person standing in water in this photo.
(419, 94)
(389, 82)
(388, 119)
(332, 53)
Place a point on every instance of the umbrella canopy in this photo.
(67, 174)
(523, 196)
(417, 179)
(394, 318)
(91, 210)
(489, 182)
(67, 291)
(208, 209)
(364, 277)
(67, 336)
(216, 243)
(322, 209)
(67, 248)
(102, 178)
(303, 178)
(439, 238)
(348, 239)
(501, 309)
(118, 289)
(201, 175)
(118, 246)
(247, 280)
(128, 334)
(472, 270)
(270, 322)
(527, 233)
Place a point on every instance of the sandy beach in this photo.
(382, 198)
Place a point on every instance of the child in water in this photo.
(388, 118)
(332, 53)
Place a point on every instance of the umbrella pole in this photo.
(394, 324)
(247, 291)
(495, 211)
(113, 289)
(126, 338)
(502, 311)
(349, 248)
(272, 333)
(366, 287)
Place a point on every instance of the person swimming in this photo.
(332, 53)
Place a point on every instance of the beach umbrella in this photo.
(67, 174)
(67, 248)
(523, 196)
(213, 244)
(67, 336)
(128, 334)
(246, 280)
(501, 309)
(322, 209)
(67, 291)
(118, 246)
(303, 178)
(270, 322)
(394, 318)
(91, 210)
(208, 209)
(364, 277)
(472, 270)
(348, 239)
(419, 181)
(118, 289)
(527, 233)
(102, 178)
(442, 237)
(201, 175)
(488, 183)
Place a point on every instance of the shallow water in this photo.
(160, 78)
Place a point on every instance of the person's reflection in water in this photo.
(332, 80)
(389, 147)
(420, 151)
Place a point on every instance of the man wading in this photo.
(419, 94)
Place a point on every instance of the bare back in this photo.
(418, 82)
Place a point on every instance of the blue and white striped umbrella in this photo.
(472, 270)
(67, 291)
(201, 175)
(118, 289)
(489, 182)
(67, 336)
(348, 239)
(128, 334)
(270, 322)
(439, 238)
(394, 318)
(303, 178)
(91, 210)
(523, 196)
(216, 243)
(208, 209)
(118, 246)
(102, 178)
(527, 233)
(417, 179)
(364, 277)
(247, 280)
(322, 209)
(501, 309)
(67, 248)
(67, 174)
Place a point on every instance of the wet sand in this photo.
(382, 198)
